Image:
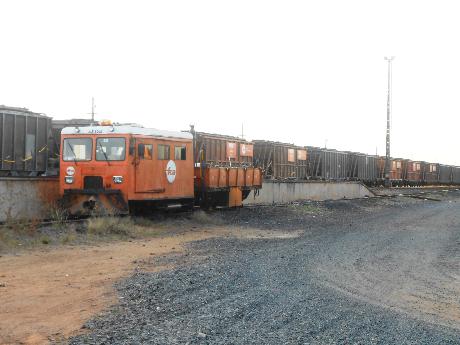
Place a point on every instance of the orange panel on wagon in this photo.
(249, 177)
(223, 177)
(233, 177)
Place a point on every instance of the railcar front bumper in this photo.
(85, 202)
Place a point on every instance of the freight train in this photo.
(283, 161)
(120, 169)
(216, 170)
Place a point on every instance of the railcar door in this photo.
(147, 171)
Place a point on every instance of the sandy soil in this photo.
(48, 295)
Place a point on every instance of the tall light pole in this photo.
(92, 109)
(387, 158)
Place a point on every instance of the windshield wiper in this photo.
(105, 155)
(73, 152)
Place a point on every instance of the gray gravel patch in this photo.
(287, 291)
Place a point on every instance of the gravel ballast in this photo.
(362, 272)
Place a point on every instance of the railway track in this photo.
(431, 195)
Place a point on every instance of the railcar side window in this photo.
(145, 151)
(180, 153)
(77, 149)
(163, 152)
(110, 149)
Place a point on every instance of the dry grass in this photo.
(20, 234)
(122, 227)
(58, 213)
(7, 240)
(13, 231)
(104, 226)
(21, 226)
(69, 238)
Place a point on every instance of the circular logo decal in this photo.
(70, 171)
(171, 171)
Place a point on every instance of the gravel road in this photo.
(373, 271)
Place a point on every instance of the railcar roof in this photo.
(126, 130)
(19, 111)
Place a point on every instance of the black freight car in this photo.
(455, 175)
(24, 142)
(314, 160)
(445, 175)
(281, 160)
(327, 164)
(363, 167)
(334, 164)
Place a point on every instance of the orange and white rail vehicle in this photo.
(121, 169)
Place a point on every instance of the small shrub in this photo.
(45, 239)
(58, 213)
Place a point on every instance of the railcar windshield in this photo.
(77, 149)
(110, 149)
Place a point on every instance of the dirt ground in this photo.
(371, 271)
(48, 295)
(383, 268)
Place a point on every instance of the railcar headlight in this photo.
(68, 179)
(118, 179)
